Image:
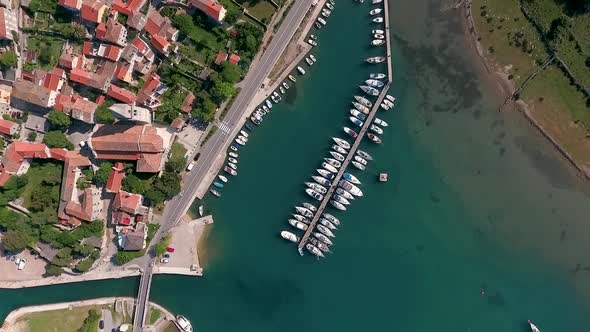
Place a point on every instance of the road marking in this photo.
(224, 127)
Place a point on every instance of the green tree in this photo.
(102, 175)
(63, 257)
(8, 59)
(59, 120)
(168, 184)
(32, 136)
(133, 184)
(232, 15)
(221, 91)
(43, 217)
(57, 139)
(52, 270)
(90, 324)
(83, 250)
(104, 115)
(184, 23)
(15, 241)
(160, 248)
(230, 73)
(2, 142)
(85, 265)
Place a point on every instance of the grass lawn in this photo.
(155, 314)
(261, 10)
(177, 151)
(48, 50)
(58, 320)
(36, 174)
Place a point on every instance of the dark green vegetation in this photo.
(8, 59)
(57, 139)
(91, 322)
(103, 114)
(59, 120)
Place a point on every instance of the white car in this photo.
(22, 263)
(164, 260)
(190, 166)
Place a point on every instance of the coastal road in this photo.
(218, 143)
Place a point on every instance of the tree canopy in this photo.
(8, 59)
(102, 175)
(59, 120)
(57, 139)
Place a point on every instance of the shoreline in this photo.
(16, 315)
(507, 87)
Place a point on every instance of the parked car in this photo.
(190, 166)
(22, 263)
(101, 324)
(197, 156)
(164, 260)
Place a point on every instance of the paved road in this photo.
(107, 318)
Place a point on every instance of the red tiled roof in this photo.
(4, 176)
(7, 127)
(221, 56)
(160, 43)
(234, 59)
(90, 12)
(58, 153)
(154, 23)
(127, 7)
(70, 3)
(122, 70)
(61, 100)
(82, 110)
(139, 44)
(127, 202)
(187, 103)
(87, 49)
(81, 211)
(177, 123)
(18, 151)
(51, 81)
(101, 30)
(152, 83)
(112, 52)
(80, 76)
(122, 218)
(3, 34)
(211, 8)
(121, 94)
(67, 60)
(115, 179)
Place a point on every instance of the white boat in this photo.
(356, 121)
(337, 205)
(326, 174)
(332, 219)
(233, 154)
(344, 193)
(360, 159)
(380, 122)
(375, 11)
(304, 211)
(243, 138)
(388, 102)
(265, 109)
(390, 98)
(374, 138)
(376, 1)
(233, 148)
(329, 167)
(268, 104)
(378, 32)
(309, 62)
(314, 37)
(333, 162)
(363, 101)
(298, 224)
(351, 188)
(292, 78)
(323, 238)
(313, 58)
(350, 132)
(351, 178)
(376, 129)
(364, 154)
(317, 187)
(337, 156)
(244, 133)
(322, 180)
(342, 143)
(239, 141)
(330, 6)
(358, 114)
(339, 149)
(314, 250)
(322, 21)
(285, 85)
(340, 199)
(230, 171)
(314, 194)
(201, 210)
(222, 178)
(361, 108)
(385, 107)
(375, 59)
(325, 230)
(369, 90)
(323, 247)
(183, 324)
(282, 89)
(232, 165)
(358, 165)
(301, 70)
(533, 327)
(374, 83)
(232, 160)
(312, 42)
(289, 236)
(332, 2)
(326, 13)
(299, 217)
(277, 96)
(378, 36)
(377, 42)
(327, 223)
(310, 207)
(378, 19)
(256, 120)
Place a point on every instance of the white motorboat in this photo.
(244, 133)
(378, 36)
(322, 21)
(356, 121)
(342, 143)
(304, 212)
(312, 42)
(350, 132)
(333, 162)
(313, 58)
(325, 230)
(330, 6)
(317, 187)
(233, 154)
(277, 96)
(326, 174)
(358, 114)
(374, 138)
(388, 103)
(351, 178)
(183, 324)
(390, 98)
(326, 13)
(376, 129)
(232, 160)
(323, 247)
(282, 90)
(289, 236)
(310, 207)
(230, 171)
(327, 223)
(299, 217)
(375, 59)
(337, 156)
(233, 148)
(340, 199)
(265, 109)
(339, 149)
(380, 122)
(377, 42)
(286, 86)
(375, 11)
(332, 219)
(533, 327)
(292, 78)
(329, 167)
(322, 180)
(378, 32)
(376, 1)
(332, 2)
(222, 178)
(314, 194)
(309, 62)
(201, 210)
(268, 104)
(364, 101)
(256, 120)
(358, 165)
(337, 205)
(351, 188)
(239, 141)
(384, 106)
(378, 19)
(360, 159)
(361, 107)
(298, 224)
(314, 37)
(323, 238)
(344, 193)
(377, 76)
(243, 138)
(314, 250)
(233, 166)
(369, 90)
(374, 83)
(301, 70)
(364, 154)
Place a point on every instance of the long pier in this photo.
(357, 141)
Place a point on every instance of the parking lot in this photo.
(33, 269)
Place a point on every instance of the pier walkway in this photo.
(357, 141)
(143, 299)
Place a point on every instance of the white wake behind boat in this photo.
(533, 327)
(289, 236)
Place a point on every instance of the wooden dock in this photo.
(357, 141)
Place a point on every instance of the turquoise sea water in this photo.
(480, 228)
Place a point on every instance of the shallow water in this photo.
(480, 227)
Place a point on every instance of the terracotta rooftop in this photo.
(234, 59)
(221, 56)
(7, 127)
(187, 103)
(91, 10)
(74, 4)
(121, 94)
(115, 179)
(211, 8)
(32, 93)
(130, 203)
(19, 151)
